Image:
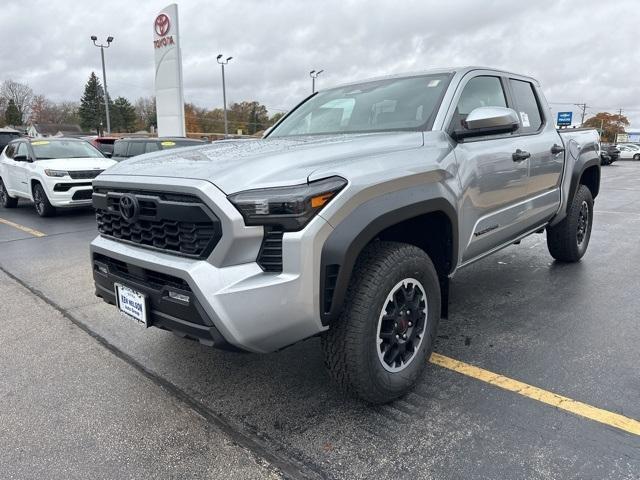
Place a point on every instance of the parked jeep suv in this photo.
(347, 221)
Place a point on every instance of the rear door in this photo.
(494, 185)
(541, 140)
(7, 170)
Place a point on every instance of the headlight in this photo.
(56, 173)
(290, 207)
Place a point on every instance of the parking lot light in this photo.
(104, 75)
(314, 74)
(223, 61)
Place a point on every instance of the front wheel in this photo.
(636, 156)
(379, 346)
(5, 200)
(568, 240)
(41, 201)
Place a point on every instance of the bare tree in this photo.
(20, 93)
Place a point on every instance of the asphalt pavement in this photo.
(567, 329)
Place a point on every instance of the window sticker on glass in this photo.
(525, 119)
(433, 83)
(168, 144)
(40, 142)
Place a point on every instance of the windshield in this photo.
(408, 103)
(49, 149)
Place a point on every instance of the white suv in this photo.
(53, 172)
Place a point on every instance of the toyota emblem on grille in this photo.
(128, 206)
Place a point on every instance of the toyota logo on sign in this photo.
(162, 24)
(128, 206)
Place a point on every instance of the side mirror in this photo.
(488, 121)
(21, 158)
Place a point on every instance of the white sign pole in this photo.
(168, 82)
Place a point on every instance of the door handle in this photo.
(556, 149)
(520, 155)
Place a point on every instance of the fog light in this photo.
(179, 296)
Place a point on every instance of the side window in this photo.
(151, 147)
(136, 148)
(120, 148)
(482, 91)
(526, 104)
(22, 150)
(11, 149)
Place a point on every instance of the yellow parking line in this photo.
(577, 408)
(28, 230)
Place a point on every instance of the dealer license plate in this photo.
(132, 304)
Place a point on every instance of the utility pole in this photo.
(314, 74)
(583, 107)
(224, 91)
(104, 77)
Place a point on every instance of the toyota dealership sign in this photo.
(168, 79)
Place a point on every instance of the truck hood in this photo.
(235, 165)
(73, 164)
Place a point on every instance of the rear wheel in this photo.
(568, 240)
(5, 200)
(636, 156)
(41, 201)
(379, 346)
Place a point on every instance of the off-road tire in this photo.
(563, 239)
(350, 345)
(5, 200)
(41, 201)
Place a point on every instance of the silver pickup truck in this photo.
(347, 221)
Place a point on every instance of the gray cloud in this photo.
(580, 51)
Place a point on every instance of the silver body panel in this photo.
(497, 201)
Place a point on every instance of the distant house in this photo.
(55, 129)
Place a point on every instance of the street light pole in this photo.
(314, 74)
(104, 77)
(222, 63)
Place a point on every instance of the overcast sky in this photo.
(581, 51)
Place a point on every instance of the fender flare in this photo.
(343, 246)
(577, 173)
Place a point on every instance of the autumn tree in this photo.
(146, 114)
(609, 124)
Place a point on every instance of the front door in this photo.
(494, 183)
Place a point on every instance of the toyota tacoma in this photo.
(346, 221)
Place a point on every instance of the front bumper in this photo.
(247, 307)
(67, 192)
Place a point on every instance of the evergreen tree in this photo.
(91, 111)
(123, 118)
(12, 115)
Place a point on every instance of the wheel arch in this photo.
(404, 216)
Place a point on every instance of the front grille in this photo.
(65, 187)
(155, 280)
(85, 174)
(270, 256)
(175, 223)
(82, 195)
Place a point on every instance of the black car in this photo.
(6, 135)
(609, 154)
(130, 147)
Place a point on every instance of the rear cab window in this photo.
(136, 148)
(527, 105)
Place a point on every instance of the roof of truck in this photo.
(433, 71)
